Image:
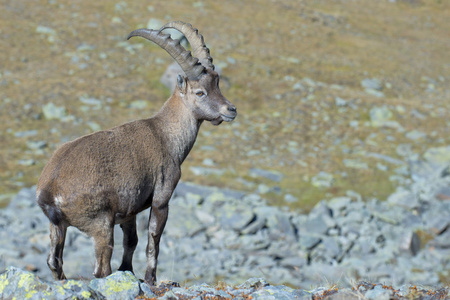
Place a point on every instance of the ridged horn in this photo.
(187, 62)
(198, 46)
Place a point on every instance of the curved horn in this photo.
(187, 62)
(198, 46)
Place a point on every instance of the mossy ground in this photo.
(264, 48)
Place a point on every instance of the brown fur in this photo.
(107, 177)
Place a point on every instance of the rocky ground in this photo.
(124, 285)
(331, 95)
(224, 235)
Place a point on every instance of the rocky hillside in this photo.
(330, 95)
(216, 234)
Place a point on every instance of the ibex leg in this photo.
(55, 258)
(157, 221)
(130, 240)
(103, 235)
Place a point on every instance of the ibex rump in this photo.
(107, 177)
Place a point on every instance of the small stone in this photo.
(410, 243)
(323, 179)
(340, 102)
(201, 171)
(372, 83)
(253, 283)
(119, 285)
(208, 162)
(155, 24)
(415, 135)
(380, 116)
(138, 104)
(51, 111)
(308, 242)
(92, 102)
(235, 217)
(37, 144)
(355, 164)
(27, 162)
(45, 30)
(438, 155)
(27, 133)
(263, 189)
(378, 293)
(271, 175)
(290, 198)
(94, 126)
(295, 262)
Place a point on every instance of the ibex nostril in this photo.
(232, 108)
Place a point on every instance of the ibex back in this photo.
(106, 178)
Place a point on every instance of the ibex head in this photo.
(199, 90)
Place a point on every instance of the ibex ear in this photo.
(181, 82)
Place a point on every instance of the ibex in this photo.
(107, 177)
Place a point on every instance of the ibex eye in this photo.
(199, 94)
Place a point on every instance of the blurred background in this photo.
(334, 97)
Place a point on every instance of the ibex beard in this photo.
(108, 177)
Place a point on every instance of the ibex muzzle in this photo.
(106, 178)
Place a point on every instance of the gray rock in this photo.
(170, 295)
(51, 111)
(339, 204)
(321, 209)
(235, 217)
(278, 223)
(404, 198)
(315, 225)
(138, 104)
(294, 262)
(333, 249)
(93, 103)
(373, 86)
(271, 175)
(439, 224)
(290, 198)
(375, 93)
(119, 285)
(255, 226)
(372, 83)
(274, 292)
(201, 171)
(382, 116)
(438, 155)
(410, 243)
(323, 179)
(308, 242)
(18, 284)
(442, 241)
(254, 283)
(258, 241)
(415, 135)
(183, 222)
(36, 144)
(355, 164)
(378, 293)
(26, 133)
(385, 158)
(340, 102)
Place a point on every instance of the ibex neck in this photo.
(180, 127)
